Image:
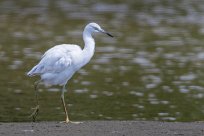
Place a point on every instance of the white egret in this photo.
(59, 63)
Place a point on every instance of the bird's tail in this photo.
(32, 72)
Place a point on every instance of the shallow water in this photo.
(151, 70)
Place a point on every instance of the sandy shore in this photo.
(103, 128)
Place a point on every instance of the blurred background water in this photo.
(152, 70)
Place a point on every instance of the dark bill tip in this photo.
(109, 34)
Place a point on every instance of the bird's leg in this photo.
(36, 109)
(65, 109)
(64, 105)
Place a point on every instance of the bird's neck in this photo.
(89, 46)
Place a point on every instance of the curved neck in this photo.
(89, 42)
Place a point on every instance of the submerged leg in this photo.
(65, 109)
(36, 109)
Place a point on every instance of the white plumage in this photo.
(59, 63)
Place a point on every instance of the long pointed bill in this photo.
(106, 33)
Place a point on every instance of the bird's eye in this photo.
(95, 28)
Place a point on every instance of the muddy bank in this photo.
(103, 128)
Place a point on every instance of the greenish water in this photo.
(151, 70)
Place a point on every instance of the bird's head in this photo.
(93, 27)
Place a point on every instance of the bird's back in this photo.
(56, 59)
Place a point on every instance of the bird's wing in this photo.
(55, 59)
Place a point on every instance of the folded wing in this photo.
(55, 60)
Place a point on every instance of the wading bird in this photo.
(59, 63)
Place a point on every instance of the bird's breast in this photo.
(81, 60)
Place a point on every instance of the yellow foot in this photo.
(35, 112)
(68, 121)
(75, 122)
